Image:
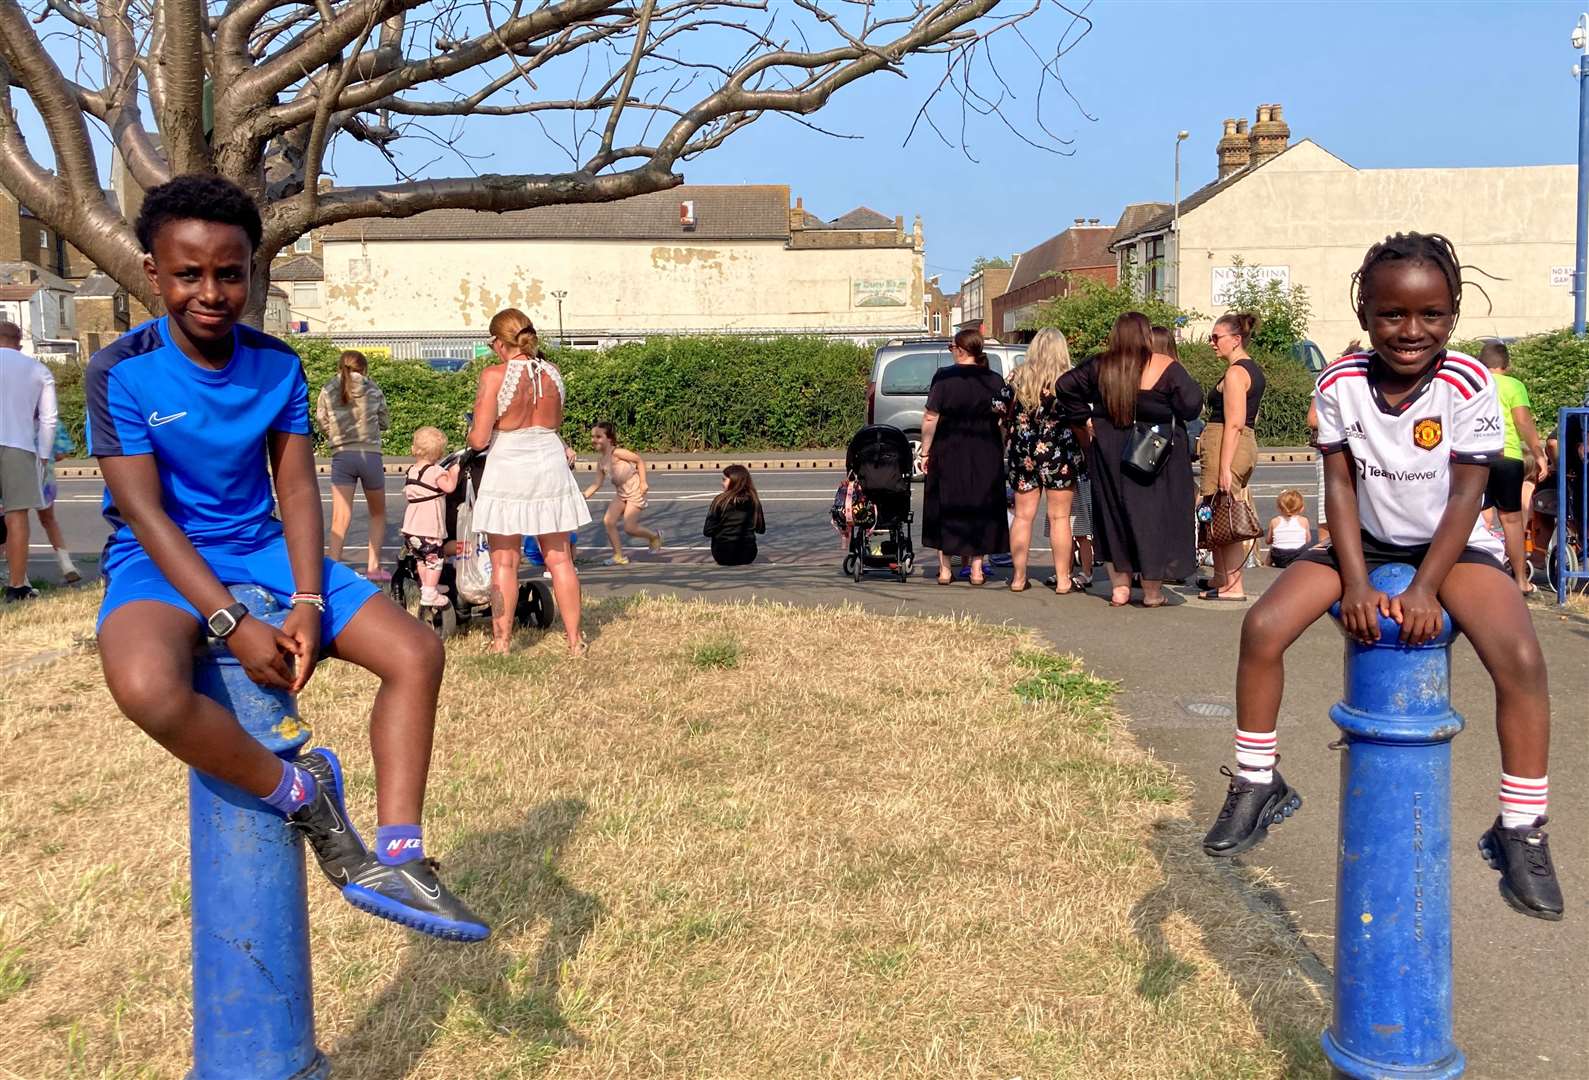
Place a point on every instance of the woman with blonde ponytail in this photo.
(528, 488)
(352, 413)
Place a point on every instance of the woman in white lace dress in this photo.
(528, 488)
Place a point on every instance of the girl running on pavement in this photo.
(1408, 430)
(190, 416)
(628, 472)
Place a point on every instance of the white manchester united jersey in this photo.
(1403, 453)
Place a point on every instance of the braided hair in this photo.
(1431, 248)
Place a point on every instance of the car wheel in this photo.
(914, 438)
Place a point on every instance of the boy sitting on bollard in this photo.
(190, 415)
(1408, 431)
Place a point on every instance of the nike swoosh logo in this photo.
(432, 891)
(155, 419)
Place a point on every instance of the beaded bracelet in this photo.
(314, 600)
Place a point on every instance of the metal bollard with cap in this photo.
(253, 998)
(1392, 1011)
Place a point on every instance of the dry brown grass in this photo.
(739, 841)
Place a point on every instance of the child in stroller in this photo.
(871, 509)
(534, 605)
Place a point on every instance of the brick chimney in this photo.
(1233, 150)
(797, 215)
(1270, 135)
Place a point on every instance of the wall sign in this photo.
(879, 292)
(1561, 277)
(1225, 276)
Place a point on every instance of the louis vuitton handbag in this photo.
(1233, 521)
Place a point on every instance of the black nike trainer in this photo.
(324, 822)
(1248, 812)
(411, 894)
(1528, 879)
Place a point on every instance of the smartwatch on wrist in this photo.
(226, 620)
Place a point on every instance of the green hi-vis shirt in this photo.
(1512, 393)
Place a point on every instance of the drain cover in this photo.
(1209, 710)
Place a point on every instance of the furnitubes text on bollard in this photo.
(253, 998)
(1392, 1012)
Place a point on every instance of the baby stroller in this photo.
(873, 507)
(534, 605)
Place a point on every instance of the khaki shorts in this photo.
(21, 483)
(1240, 467)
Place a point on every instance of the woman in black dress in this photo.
(1140, 526)
(962, 452)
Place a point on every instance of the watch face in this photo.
(223, 622)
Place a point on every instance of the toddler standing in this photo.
(425, 489)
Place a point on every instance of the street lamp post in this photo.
(1175, 226)
(558, 295)
(1580, 41)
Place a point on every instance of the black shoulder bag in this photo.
(1147, 449)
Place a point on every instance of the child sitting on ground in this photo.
(734, 519)
(190, 416)
(425, 490)
(1408, 431)
(1290, 532)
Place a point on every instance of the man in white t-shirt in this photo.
(27, 438)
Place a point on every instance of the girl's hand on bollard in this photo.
(263, 651)
(1418, 612)
(1361, 607)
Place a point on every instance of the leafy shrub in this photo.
(1554, 367)
(1282, 312)
(1087, 311)
(69, 400)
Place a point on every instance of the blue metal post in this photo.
(1392, 1014)
(253, 998)
(1580, 275)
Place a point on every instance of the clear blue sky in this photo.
(1378, 84)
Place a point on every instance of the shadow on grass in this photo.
(483, 992)
(1249, 943)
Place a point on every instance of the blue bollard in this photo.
(253, 998)
(1392, 1013)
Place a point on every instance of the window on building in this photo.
(1158, 274)
(306, 295)
(44, 240)
(937, 322)
(304, 244)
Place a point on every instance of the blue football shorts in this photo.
(132, 575)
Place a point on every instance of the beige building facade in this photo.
(697, 259)
(1303, 216)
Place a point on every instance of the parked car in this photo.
(1309, 355)
(902, 372)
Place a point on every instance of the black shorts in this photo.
(1377, 553)
(1280, 558)
(1505, 489)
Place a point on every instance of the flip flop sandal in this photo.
(1022, 587)
(1214, 594)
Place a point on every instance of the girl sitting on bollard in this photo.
(1408, 431)
(190, 416)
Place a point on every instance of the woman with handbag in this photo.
(1139, 463)
(1228, 451)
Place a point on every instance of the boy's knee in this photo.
(152, 699)
(1522, 667)
(424, 655)
(1261, 634)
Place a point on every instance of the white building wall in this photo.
(456, 286)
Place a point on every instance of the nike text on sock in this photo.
(1255, 754)
(1522, 799)
(399, 844)
(294, 791)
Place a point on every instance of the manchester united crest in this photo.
(1426, 433)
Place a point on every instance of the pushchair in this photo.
(877, 467)
(534, 605)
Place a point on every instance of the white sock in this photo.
(1256, 755)
(63, 559)
(1523, 800)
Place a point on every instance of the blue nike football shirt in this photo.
(206, 429)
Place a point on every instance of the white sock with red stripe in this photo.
(1255, 755)
(1522, 799)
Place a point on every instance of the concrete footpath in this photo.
(1521, 984)
(714, 461)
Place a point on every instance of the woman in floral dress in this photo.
(1044, 457)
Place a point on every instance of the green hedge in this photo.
(728, 393)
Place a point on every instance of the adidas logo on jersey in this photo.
(1354, 430)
